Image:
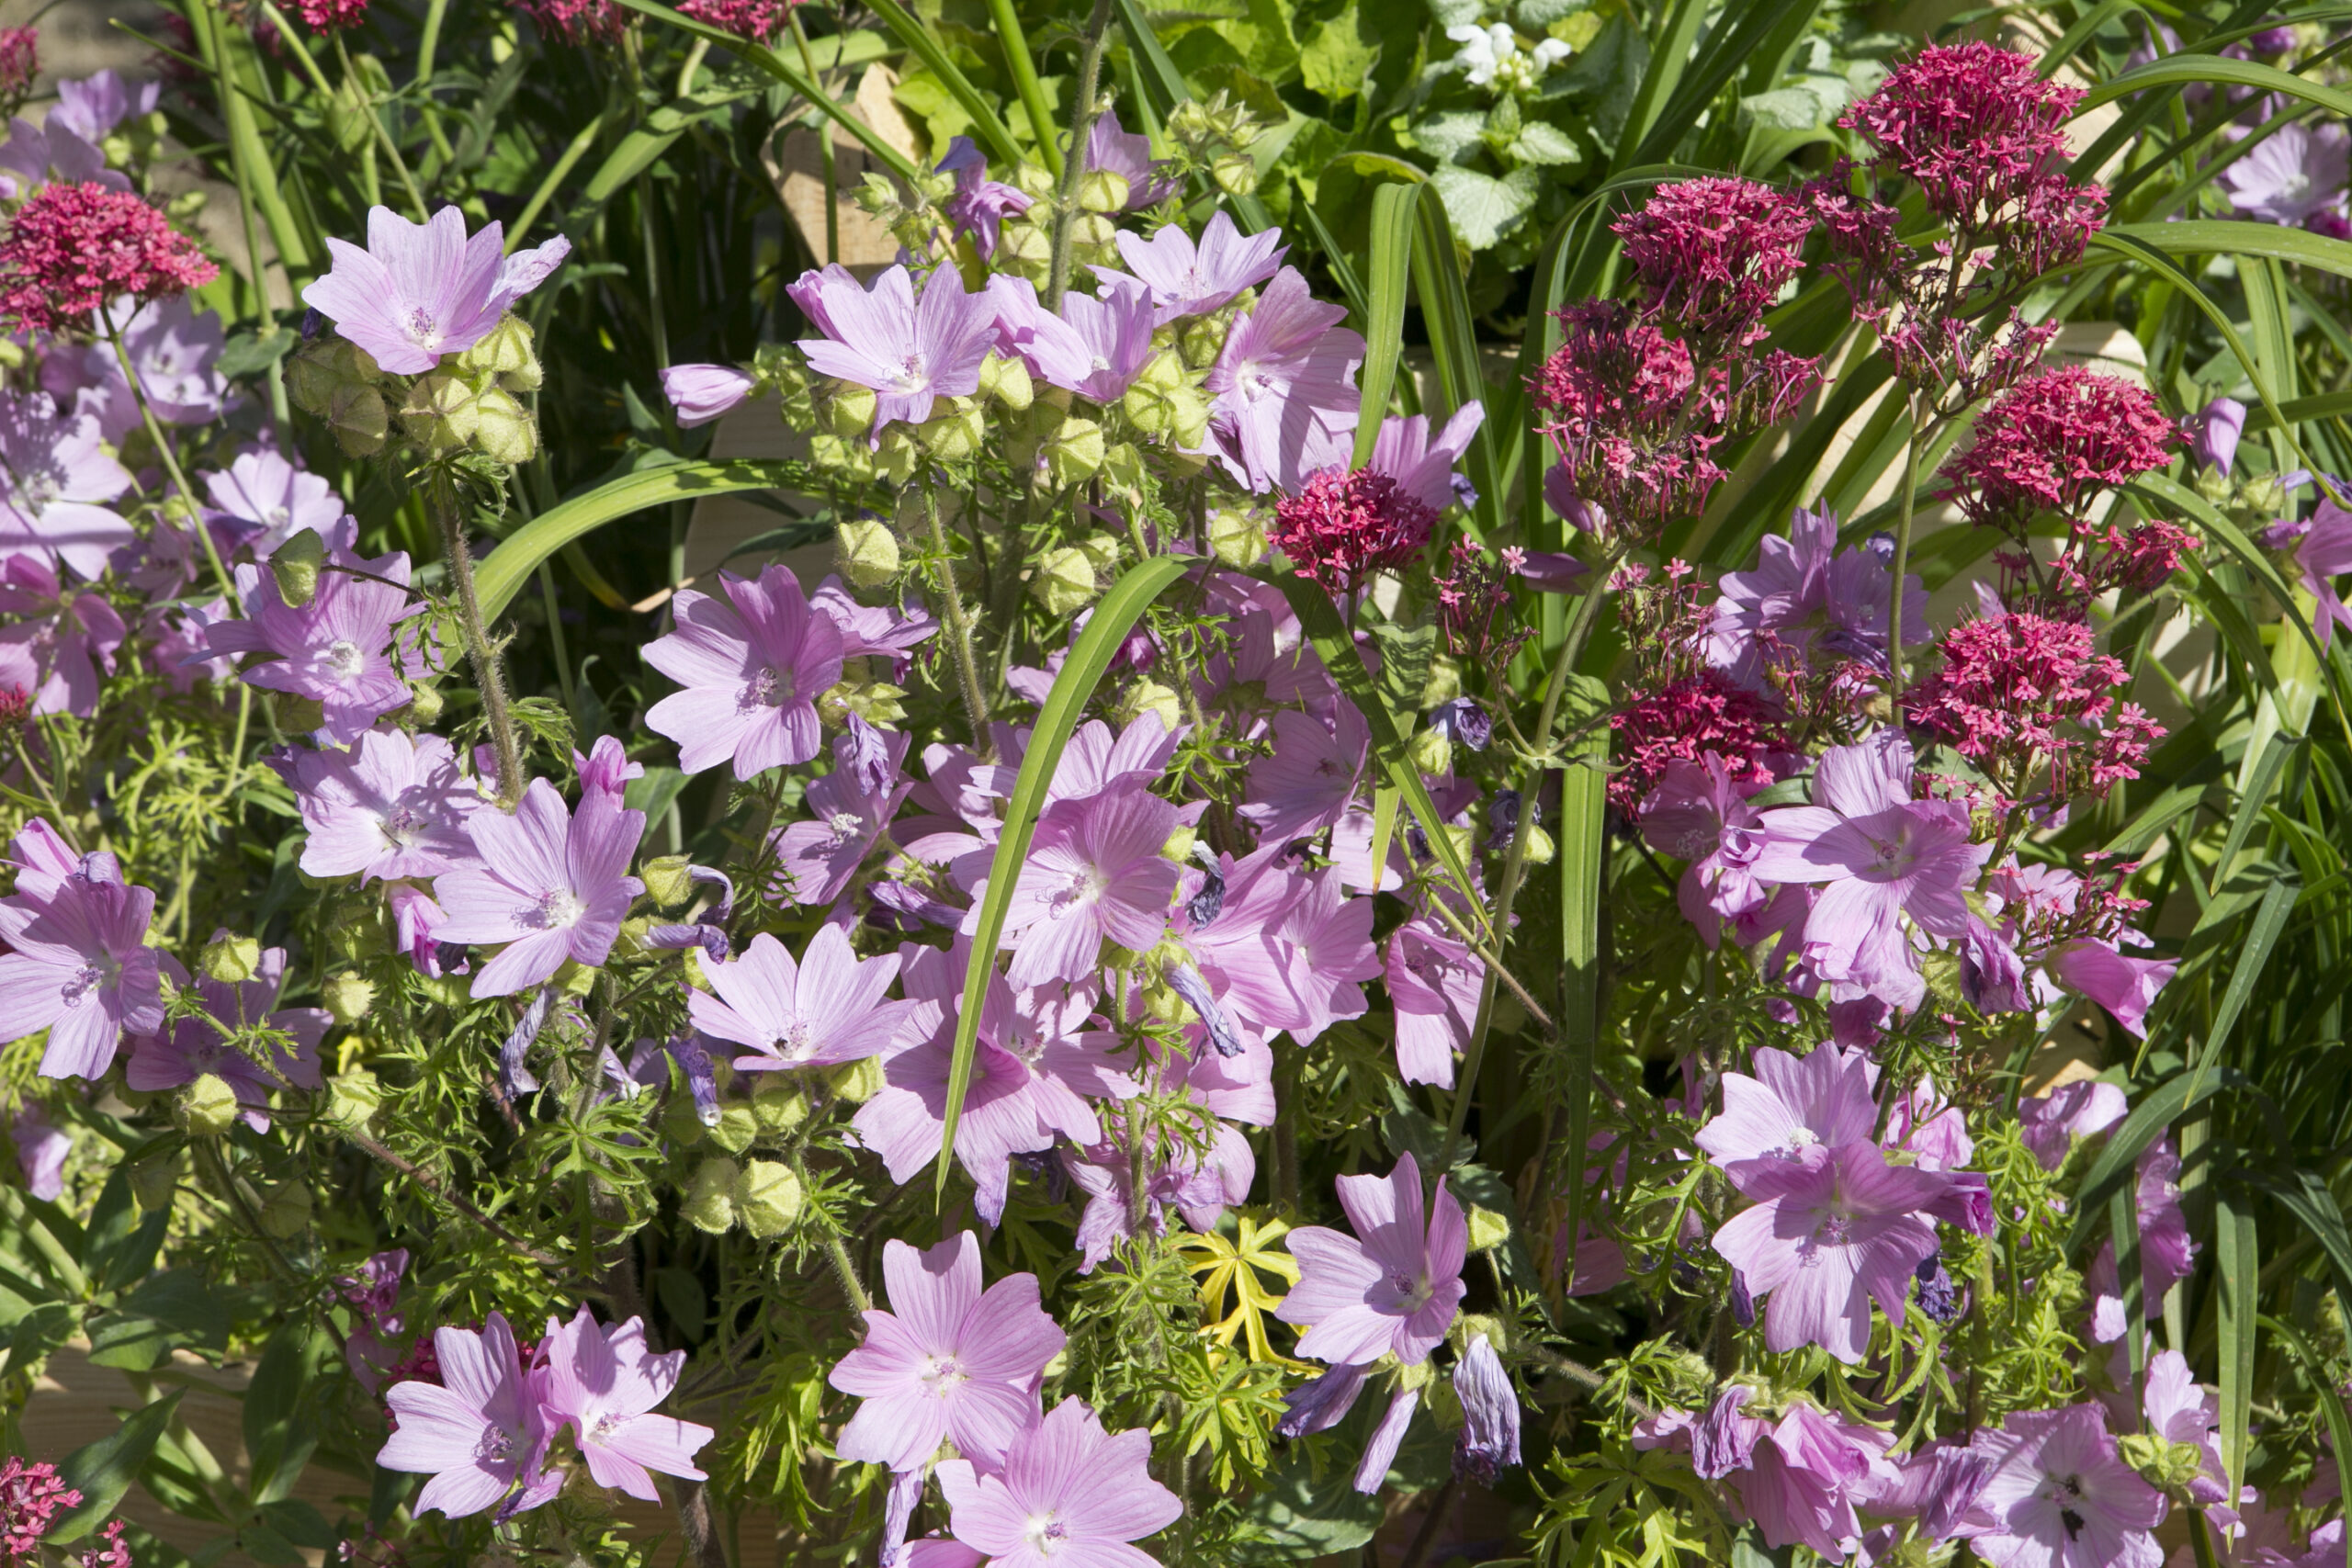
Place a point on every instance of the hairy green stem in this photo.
(489, 674)
(1090, 74)
(1902, 556)
(959, 630)
(1024, 78)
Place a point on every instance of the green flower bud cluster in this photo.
(470, 402)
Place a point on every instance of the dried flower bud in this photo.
(439, 413)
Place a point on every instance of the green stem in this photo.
(429, 44)
(488, 674)
(959, 631)
(1901, 558)
(1025, 77)
(376, 123)
(1090, 74)
(555, 177)
(169, 459)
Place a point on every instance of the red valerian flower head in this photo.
(1711, 254)
(758, 20)
(2053, 441)
(2019, 692)
(1974, 124)
(1347, 524)
(19, 63)
(1685, 719)
(71, 248)
(331, 16)
(576, 21)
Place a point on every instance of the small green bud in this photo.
(1201, 338)
(1122, 467)
(779, 1106)
(1102, 552)
(503, 429)
(295, 565)
(1237, 537)
(1035, 181)
(858, 1081)
(710, 1204)
(440, 412)
(359, 419)
(1100, 190)
(2165, 1465)
(425, 702)
(1007, 381)
(1150, 697)
(285, 1213)
(1074, 452)
(1488, 1229)
(849, 409)
(666, 881)
(1178, 847)
(348, 998)
(506, 353)
(736, 1129)
(232, 960)
(1539, 847)
(1235, 175)
(1430, 752)
(767, 1197)
(352, 1099)
(1064, 582)
(899, 456)
(153, 1183)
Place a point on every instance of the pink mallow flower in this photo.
(2049, 1123)
(947, 1362)
(478, 1432)
(1698, 814)
(823, 1011)
(1832, 1230)
(78, 966)
(553, 885)
(2125, 986)
(194, 1047)
(1071, 1496)
(1806, 1475)
(55, 639)
(1882, 856)
(1824, 1100)
(1392, 1291)
(391, 807)
(848, 810)
(56, 479)
(421, 290)
(910, 351)
(270, 500)
(1188, 279)
(2060, 1496)
(754, 665)
(1433, 983)
(1094, 873)
(337, 650)
(704, 392)
(1283, 395)
(603, 1384)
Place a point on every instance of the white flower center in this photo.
(402, 827)
(423, 330)
(561, 909)
(913, 374)
(1084, 888)
(345, 659)
(941, 1375)
(770, 688)
(1046, 1534)
(844, 824)
(92, 976)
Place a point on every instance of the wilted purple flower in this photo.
(2213, 434)
(1189, 280)
(754, 665)
(823, 1011)
(1464, 722)
(422, 290)
(1939, 1297)
(78, 966)
(58, 640)
(1094, 872)
(1320, 1403)
(552, 886)
(1723, 1436)
(337, 650)
(417, 924)
(1111, 149)
(1807, 1476)
(194, 1047)
(1283, 401)
(1698, 814)
(947, 1362)
(2059, 1496)
(603, 1384)
(909, 352)
(703, 393)
(55, 479)
(1488, 1443)
(1433, 983)
(391, 807)
(272, 500)
(1388, 1436)
(1394, 1286)
(2126, 987)
(1071, 1494)
(477, 1432)
(2050, 1123)
(516, 1078)
(978, 206)
(1831, 1232)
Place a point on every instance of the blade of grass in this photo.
(2157, 1110)
(2207, 70)
(1394, 210)
(1015, 44)
(1090, 659)
(2237, 1270)
(1584, 798)
(1453, 343)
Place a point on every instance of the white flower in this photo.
(1492, 57)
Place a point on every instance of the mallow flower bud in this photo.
(859, 1081)
(1430, 752)
(1100, 191)
(503, 429)
(285, 1211)
(1235, 175)
(1064, 582)
(666, 881)
(710, 1204)
(295, 565)
(439, 413)
(1237, 537)
(1074, 452)
(767, 1197)
(348, 998)
(352, 1099)
(506, 352)
(849, 409)
(1488, 1229)
(232, 960)
(154, 1182)
(866, 552)
(1006, 379)
(701, 393)
(359, 418)
(207, 1107)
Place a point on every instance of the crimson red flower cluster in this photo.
(2055, 441)
(1714, 254)
(19, 63)
(576, 21)
(1979, 128)
(758, 20)
(1472, 596)
(2020, 693)
(71, 248)
(331, 16)
(1347, 524)
(1615, 394)
(1683, 720)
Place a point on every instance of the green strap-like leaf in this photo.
(503, 571)
(1320, 620)
(2220, 236)
(1394, 210)
(102, 1471)
(767, 59)
(2170, 1100)
(2237, 1271)
(1115, 615)
(1584, 799)
(2204, 70)
(1453, 343)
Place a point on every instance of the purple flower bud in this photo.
(2213, 434)
(1204, 906)
(1490, 1439)
(1855, 1024)
(711, 878)
(1551, 571)
(865, 752)
(1743, 1305)
(701, 1081)
(1380, 1452)
(710, 939)
(1560, 494)
(1939, 1297)
(1463, 721)
(1190, 984)
(1725, 1438)
(2272, 40)
(1959, 1477)
(1992, 975)
(898, 1512)
(512, 1076)
(2282, 534)
(1321, 1403)
(703, 393)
